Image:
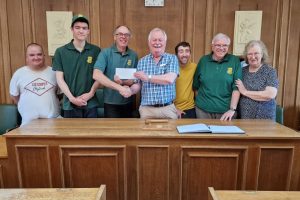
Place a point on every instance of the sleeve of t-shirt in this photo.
(13, 86)
(272, 80)
(56, 61)
(101, 62)
(173, 65)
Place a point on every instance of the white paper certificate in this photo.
(125, 73)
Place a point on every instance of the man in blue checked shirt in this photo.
(157, 73)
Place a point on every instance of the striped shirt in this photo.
(153, 93)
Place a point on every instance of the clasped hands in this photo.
(125, 89)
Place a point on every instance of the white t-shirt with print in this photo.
(38, 93)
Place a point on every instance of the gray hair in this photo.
(116, 29)
(265, 56)
(157, 30)
(220, 36)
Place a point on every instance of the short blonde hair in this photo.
(265, 56)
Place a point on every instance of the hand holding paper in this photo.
(125, 73)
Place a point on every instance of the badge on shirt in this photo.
(229, 70)
(89, 59)
(129, 62)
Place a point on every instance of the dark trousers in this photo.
(191, 113)
(81, 113)
(118, 111)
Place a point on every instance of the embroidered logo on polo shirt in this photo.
(39, 86)
(229, 70)
(89, 59)
(129, 62)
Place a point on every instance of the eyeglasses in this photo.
(221, 45)
(253, 54)
(127, 35)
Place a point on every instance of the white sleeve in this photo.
(14, 89)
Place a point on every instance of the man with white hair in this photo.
(157, 73)
(214, 80)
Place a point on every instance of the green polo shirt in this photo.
(108, 60)
(215, 82)
(78, 70)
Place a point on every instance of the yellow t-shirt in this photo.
(184, 87)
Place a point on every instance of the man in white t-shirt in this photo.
(34, 88)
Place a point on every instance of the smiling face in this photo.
(220, 48)
(254, 56)
(80, 31)
(121, 37)
(157, 43)
(184, 54)
(35, 58)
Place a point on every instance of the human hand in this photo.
(78, 101)
(86, 96)
(227, 116)
(141, 75)
(117, 79)
(179, 113)
(240, 86)
(125, 91)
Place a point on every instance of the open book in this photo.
(203, 128)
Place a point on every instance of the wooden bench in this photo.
(3, 149)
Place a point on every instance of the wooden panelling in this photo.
(222, 167)
(91, 166)
(153, 172)
(33, 158)
(1, 176)
(275, 167)
(196, 21)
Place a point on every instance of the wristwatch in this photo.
(233, 109)
(149, 78)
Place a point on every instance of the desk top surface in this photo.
(111, 128)
(49, 194)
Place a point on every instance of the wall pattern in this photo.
(196, 21)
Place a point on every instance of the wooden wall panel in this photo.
(1, 176)
(196, 21)
(92, 166)
(33, 158)
(142, 19)
(206, 166)
(275, 167)
(153, 172)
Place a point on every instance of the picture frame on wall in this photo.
(58, 29)
(247, 27)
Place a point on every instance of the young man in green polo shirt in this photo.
(74, 65)
(118, 102)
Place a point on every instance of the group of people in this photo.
(171, 86)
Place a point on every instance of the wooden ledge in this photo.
(3, 149)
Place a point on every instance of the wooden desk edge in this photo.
(3, 148)
(212, 194)
(101, 194)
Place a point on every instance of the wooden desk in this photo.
(3, 150)
(54, 194)
(138, 162)
(252, 195)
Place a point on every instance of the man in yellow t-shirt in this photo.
(184, 101)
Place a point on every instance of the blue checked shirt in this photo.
(153, 93)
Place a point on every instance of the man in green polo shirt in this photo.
(214, 81)
(74, 65)
(118, 102)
